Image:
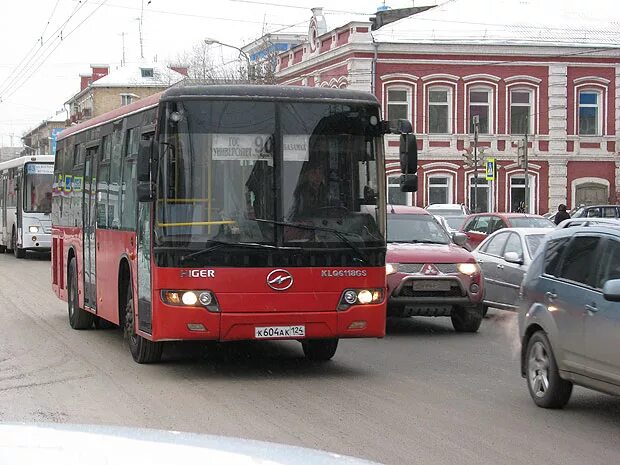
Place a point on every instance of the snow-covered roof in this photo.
(130, 75)
(583, 23)
(59, 117)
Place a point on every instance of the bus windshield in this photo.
(38, 187)
(240, 171)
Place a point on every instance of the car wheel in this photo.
(547, 388)
(320, 350)
(142, 350)
(78, 317)
(467, 319)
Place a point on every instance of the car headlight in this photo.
(33, 229)
(468, 268)
(391, 268)
(204, 299)
(360, 297)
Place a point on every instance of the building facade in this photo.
(41, 140)
(559, 85)
(103, 90)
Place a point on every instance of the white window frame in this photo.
(132, 97)
(448, 91)
(407, 102)
(449, 186)
(530, 105)
(532, 187)
(488, 186)
(393, 182)
(489, 105)
(598, 106)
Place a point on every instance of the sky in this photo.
(46, 44)
(92, 33)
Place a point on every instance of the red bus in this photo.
(225, 213)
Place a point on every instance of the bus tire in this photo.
(19, 252)
(2, 248)
(78, 318)
(319, 350)
(142, 350)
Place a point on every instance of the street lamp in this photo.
(210, 41)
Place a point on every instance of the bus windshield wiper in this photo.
(218, 244)
(340, 234)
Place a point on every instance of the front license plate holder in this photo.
(280, 332)
(431, 285)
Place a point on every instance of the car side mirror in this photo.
(459, 238)
(513, 257)
(611, 290)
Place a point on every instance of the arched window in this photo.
(398, 103)
(481, 106)
(394, 195)
(439, 110)
(518, 194)
(439, 189)
(521, 111)
(483, 192)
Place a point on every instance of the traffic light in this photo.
(468, 158)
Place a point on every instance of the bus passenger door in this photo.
(89, 222)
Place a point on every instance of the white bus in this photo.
(26, 204)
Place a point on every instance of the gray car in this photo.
(504, 257)
(569, 317)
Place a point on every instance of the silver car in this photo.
(504, 258)
(569, 317)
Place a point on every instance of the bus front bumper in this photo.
(174, 323)
(37, 242)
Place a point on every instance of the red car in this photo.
(480, 225)
(429, 273)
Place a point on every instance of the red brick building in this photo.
(520, 66)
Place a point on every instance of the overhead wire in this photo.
(28, 59)
(44, 59)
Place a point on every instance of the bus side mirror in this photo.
(145, 154)
(408, 163)
(408, 154)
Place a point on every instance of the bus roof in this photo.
(112, 115)
(268, 92)
(21, 161)
(240, 91)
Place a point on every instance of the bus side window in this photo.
(114, 220)
(103, 177)
(128, 184)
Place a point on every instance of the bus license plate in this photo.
(269, 332)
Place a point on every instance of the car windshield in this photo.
(531, 222)
(416, 229)
(533, 242)
(38, 187)
(454, 222)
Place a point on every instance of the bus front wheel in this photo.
(142, 350)
(320, 350)
(78, 318)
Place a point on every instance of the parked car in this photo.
(450, 223)
(450, 209)
(504, 258)
(569, 317)
(597, 211)
(429, 273)
(572, 222)
(480, 225)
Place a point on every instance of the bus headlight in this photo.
(468, 268)
(391, 268)
(198, 298)
(361, 297)
(33, 229)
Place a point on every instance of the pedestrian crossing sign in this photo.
(490, 169)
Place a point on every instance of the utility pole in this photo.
(526, 204)
(140, 28)
(476, 120)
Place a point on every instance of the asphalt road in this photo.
(424, 394)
